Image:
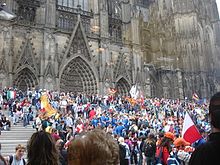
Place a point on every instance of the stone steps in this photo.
(16, 135)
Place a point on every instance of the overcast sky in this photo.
(218, 3)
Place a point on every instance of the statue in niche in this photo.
(49, 83)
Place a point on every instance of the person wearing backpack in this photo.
(181, 153)
(164, 148)
(124, 152)
(17, 158)
(149, 149)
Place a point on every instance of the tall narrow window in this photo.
(115, 22)
(67, 14)
(74, 3)
(26, 11)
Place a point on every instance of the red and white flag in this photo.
(190, 133)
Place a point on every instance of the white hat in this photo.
(121, 140)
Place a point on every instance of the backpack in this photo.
(11, 160)
(149, 149)
(122, 151)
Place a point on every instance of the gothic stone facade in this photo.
(169, 48)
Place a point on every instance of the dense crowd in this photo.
(133, 123)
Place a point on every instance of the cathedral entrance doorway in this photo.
(78, 77)
(122, 87)
(25, 79)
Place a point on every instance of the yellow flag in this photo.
(49, 110)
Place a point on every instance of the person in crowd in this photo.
(93, 148)
(41, 150)
(6, 124)
(17, 158)
(141, 150)
(37, 122)
(62, 151)
(124, 151)
(134, 150)
(159, 138)
(208, 153)
(2, 159)
(181, 152)
(202, 140)
(165, 147)
(149, 149)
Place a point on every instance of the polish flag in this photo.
(190, 133)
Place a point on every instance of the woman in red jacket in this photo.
(164, 149)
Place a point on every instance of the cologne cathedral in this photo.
(168, 48)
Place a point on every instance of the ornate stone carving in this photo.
(3, 64)
(121, 68)
(49, 71)
(26, 57)
(77, 76)
(24, 79)
(26, 11)
(78, 43)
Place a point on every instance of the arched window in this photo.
(74, 4)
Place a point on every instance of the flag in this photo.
(190, 133)
(134, 92)
(46, 107)
(11, 94)
(195, 97)
(112, 90)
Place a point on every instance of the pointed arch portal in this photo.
(25, 79)
(77, 77)
(122, 87)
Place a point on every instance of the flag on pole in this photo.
(195, 97)
(46, 107)
(11, 94)
(134, 92)
(190, 133)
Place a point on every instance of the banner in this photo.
(46, 107)
(190, 133)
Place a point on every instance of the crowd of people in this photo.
(115, 129)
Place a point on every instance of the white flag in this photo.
(134, 92)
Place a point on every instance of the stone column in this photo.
(42, 65)
(180, 84)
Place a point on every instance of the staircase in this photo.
(17, 135)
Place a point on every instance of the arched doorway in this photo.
(25, 79)
(78, 77)
(122, 87)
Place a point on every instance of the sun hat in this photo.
(169, 135)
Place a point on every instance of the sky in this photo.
(218, 4)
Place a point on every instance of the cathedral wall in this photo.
(167, 47)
